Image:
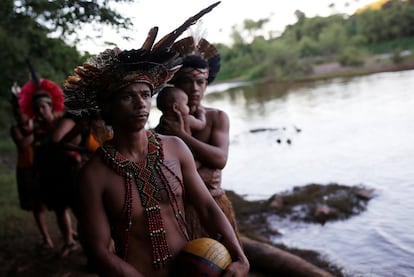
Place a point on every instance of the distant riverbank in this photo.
(374, 64)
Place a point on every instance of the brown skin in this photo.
(22, 132)
(102, 195)
(177, 103)
(63, 128)
(210, 146)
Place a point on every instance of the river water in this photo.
(350, 131)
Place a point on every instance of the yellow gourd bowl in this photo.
(202, 257)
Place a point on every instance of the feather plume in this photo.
(185, 46)
(191, 51)
(35, 77)
(149, 41)
(167, 41)
(104, 74)
(206, 49)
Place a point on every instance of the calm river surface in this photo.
(352, 131)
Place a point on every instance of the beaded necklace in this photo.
(145, 175)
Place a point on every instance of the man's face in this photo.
(194, 86)
(130, 107)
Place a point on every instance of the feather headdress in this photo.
(101, 76)
(38, 87)
(198, 55)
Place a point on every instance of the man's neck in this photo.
(132, 145)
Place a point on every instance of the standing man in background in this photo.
(210, 146)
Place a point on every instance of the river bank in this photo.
(22, 256)
(313, 203)
(375, 64)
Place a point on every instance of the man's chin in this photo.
(193, 106)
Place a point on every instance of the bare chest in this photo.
(132, 194)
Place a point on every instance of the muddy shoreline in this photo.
(313, 203)
(21, 255)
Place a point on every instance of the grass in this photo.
(14, 221)
(391, 46)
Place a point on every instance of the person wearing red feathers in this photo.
(42, 100)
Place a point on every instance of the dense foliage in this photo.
(36, 30)
(348, 40)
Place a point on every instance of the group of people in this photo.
(144, 194)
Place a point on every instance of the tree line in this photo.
(38, 31)
(348, 40)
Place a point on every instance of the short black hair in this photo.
(165, 97)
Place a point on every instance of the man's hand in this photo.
(173, 127)
(238, 268)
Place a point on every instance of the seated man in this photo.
(133, 189)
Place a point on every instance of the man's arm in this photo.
(213, 153)
(211, 216)
(19, 139)
(197, 121)
(94, 225)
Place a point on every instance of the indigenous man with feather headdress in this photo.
(133, 189)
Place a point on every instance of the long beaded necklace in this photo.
(145, 175)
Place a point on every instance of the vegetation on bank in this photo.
(350, 41)
(39, 31)
(313, 203)
(347, 40)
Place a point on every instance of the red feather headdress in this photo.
(45, 86)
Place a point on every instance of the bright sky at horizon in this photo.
(216, 25)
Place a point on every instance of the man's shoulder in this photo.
(173, 146)
(216, 114)
(93, 167)
(215, 111)
(169, 140)
(211, 109)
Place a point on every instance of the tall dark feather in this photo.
(35, 78)
(168, 40)
(149, 41)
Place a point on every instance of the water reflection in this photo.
(354, 131)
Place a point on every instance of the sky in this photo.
(215, 26)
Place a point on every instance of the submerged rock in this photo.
(313, 203)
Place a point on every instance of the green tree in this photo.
(37, 30)
(65, 16)
(332, 39)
